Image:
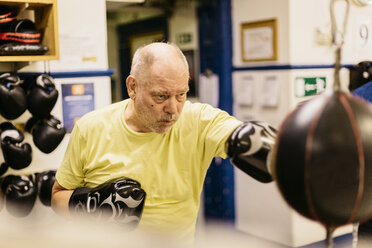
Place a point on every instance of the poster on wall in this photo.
(77, 100)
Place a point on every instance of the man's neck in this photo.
(131, 119)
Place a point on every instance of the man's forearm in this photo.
(60, 199)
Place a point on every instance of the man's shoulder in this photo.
(196, 107)
(201, 109)
(102, 115)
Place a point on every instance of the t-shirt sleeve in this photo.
(217, 125)
(70, 173)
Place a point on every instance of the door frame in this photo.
(125, 34)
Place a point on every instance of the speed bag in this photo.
(323, 159)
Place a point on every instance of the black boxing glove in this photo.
(45, 181)
(119, 200)
(42, 95)
(16, 155)
(3, 168)
(20, 194)
(13, 101)
(47, 133)
(249, 147)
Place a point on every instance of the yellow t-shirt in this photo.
(171, 167)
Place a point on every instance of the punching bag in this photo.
(323, 159)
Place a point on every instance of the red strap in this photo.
(8, 17)
(21, 37)
(5, 20)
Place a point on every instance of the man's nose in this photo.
(171, 106)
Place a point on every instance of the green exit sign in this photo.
(308, 86)
(184, 38)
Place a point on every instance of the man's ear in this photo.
(131, 86)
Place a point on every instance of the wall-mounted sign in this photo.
(308, 86)
(77, 100)
(258, 41)
(184, 38)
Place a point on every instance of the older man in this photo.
(156, 139)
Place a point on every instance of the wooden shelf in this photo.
(44, 14)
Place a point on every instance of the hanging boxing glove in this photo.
(47, 133)
(360, 74)
(45, 181)
(42, 96)
(13, 101)
(3, 168)
(16, 155)
(20, 194)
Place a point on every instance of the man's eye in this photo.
(160, 97)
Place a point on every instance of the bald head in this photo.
(158, 55)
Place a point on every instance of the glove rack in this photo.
(44, 14)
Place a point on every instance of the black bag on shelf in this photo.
(14, 49)
(20, 31)
(21, 37)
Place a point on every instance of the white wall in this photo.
(184, 20)
(309, 16)
(298, 44)
(259, 10)
(82, 37)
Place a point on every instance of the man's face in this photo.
(159, 102)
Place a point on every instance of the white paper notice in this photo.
(74, 55)
(209, 89)
(243, 91)
(270, 92)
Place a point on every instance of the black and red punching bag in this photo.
(323, 159)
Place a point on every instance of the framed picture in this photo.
(259, 41)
